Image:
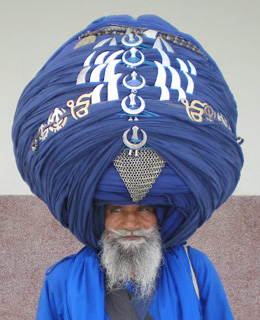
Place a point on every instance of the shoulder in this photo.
(56, 276)
(200, 262)
(59, 272)
(63, 281)
(213, 297)
(198, 257)
(61, 266)
(207, 277)
(194, 254)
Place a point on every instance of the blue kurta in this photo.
(74, 289)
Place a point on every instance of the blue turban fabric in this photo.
(66, 137)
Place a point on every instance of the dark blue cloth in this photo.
(74, 289)
(72, 171)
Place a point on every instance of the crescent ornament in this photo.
(134, 87)
(132, 42)
(132, 145)
(133, 52)
(133, 111)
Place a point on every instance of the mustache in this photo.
(146, 233)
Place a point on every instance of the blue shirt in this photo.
(74, 289)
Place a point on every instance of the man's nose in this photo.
(131, 221)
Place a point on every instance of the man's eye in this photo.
(145, 208)
(115, 209)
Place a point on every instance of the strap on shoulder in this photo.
(194, 280)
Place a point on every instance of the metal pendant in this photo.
(134, 79)
(133, 40)
(136, 142)
(133, 61)
(131, 110)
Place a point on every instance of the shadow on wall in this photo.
(32, 241)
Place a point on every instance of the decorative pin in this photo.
(151, 33)
(135, 143)
(85, 41)
(82, 75)
(161, 81)
(133, 119)
(112, 88)
(133, 61)
(87, 62)
(195, 110)
(134, 80)
(184, 69)
(113, 56)
(95, 74)
(132, 41)
(95, 98)
(110, 70)
(100, 58)
(132, 110)
(193, 70)
(56, 120)
(102, 42)
(80, 108)
(176, 83)
(165, 58)
(113, 42)
(43, 132)
(139, 173)
(158, 45)
(168, 47)
(240, 140)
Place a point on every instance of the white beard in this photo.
(126, 260)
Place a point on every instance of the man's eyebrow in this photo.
(114, 206)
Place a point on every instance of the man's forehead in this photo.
(129, 206)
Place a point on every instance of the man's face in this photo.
(131, 247)
(130, 217)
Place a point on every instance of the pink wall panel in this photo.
(31, 240)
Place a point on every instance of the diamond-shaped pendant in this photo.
(139, 172)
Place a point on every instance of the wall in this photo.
(32, 241)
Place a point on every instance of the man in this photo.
(136, 268)
(128, 133)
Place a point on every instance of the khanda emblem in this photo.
(56, 120)
(133, 58)
(134, 143)
(134, 83)
(131, 40)
(132, 108)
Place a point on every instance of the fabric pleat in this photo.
(71, 167)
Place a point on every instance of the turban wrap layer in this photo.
(68, 160)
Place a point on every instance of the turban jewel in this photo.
(129, 111)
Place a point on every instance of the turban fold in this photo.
(143, 80)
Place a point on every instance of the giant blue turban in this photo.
(125, 105)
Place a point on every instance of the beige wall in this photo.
(31, 30)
